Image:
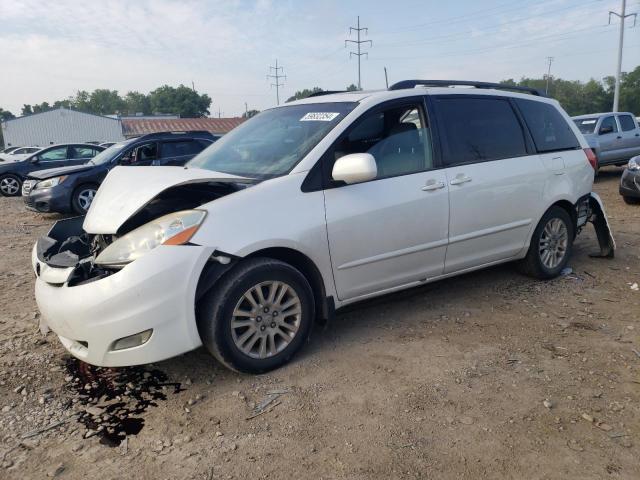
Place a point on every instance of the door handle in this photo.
(619, 137)
(433, 185)
(460, 179)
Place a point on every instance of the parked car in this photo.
(107, 144)
(630, 182)
(71, 189)
(19, 154)
(13, 174)
(312, 206)
(614, 137)
(8, 150)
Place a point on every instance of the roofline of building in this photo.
(61, 108)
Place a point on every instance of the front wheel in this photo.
(10, 185)
(631, 200)
(258, 316)
(82, 198)
(550, 246)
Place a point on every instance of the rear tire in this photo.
(10, 185)
(631, 200)
(262, 334)
(82, 198)
(551, 245)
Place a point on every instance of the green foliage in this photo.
(352, 88)
(4, 116)
(137, 102)
(579, 98)
(181, 101)
(300, 94)
(105, 102)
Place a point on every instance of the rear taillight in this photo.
(593, 161)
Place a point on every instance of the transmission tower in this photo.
(278, 73)
(358, 43)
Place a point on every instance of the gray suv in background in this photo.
(614, 137)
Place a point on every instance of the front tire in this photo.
(10, 185)
(551, 245)
(631, 200)
(82, 198)
(258, 316)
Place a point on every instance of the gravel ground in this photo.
(488, 375)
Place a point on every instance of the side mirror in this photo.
(355, 168)
(604, 130)
(35, 159)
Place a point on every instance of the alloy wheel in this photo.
(9, 186)
(85, 197)
(266, 319)
(553, 243)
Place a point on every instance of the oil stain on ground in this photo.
(114, 399)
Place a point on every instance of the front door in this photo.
(390, 231)
(610, 141)
(495, 180)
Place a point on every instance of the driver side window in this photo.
(397, 137)
(53, 155)
(609, 122)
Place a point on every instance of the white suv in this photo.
(309, 207)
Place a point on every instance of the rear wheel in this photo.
(258, 316)
(631, 200)
(82, 198)
(10, 185)
(550, 246)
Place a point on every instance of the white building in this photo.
(60, 126)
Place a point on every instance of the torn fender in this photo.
(601, 224)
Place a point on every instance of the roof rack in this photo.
(464, 83)
(325, 92)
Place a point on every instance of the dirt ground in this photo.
(488, 375)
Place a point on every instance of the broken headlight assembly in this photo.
(50, 182)
(172, 229)
(634, 164)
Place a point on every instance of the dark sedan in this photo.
(13, 174)
(630, 182)
(71, 189)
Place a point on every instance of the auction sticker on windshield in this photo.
(319, 117)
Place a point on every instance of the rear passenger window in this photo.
(478, 130)
(626, 123)
(549, 129)
(182, 148)
(608, 125)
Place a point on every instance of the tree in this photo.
(81, 101)
(630, 92)
(26, 110)
(250, 113)
(352, 88)
(4, 116)
(300, 94)
(137, 102)
(105, 102)
(181, 101)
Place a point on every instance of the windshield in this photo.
(109, 154)
(273, 142)
(586, 125)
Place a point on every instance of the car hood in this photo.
(56, 172)
(126, 190)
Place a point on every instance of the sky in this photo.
(51, 49)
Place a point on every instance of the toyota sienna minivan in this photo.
(311, 206)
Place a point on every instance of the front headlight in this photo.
(173, 229)
(50, 182)
(634, 164)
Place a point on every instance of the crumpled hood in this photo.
(127, 189)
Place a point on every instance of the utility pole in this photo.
(358, 43)
(549, 61)
(386, 77)
(219, 113)
(277, 75)
(622, 15)
(246, 110)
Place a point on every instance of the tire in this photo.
(535, 264)
(10, 185)
(237, 347)
(82, 195)
(631, 200)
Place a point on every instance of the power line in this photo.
(277, 75)
(622, 15)
(358, 43)
(549, 61)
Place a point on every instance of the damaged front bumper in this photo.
(92, 310)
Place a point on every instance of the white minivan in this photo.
(309, 207)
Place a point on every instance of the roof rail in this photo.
(464, 83)
(325, 92)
